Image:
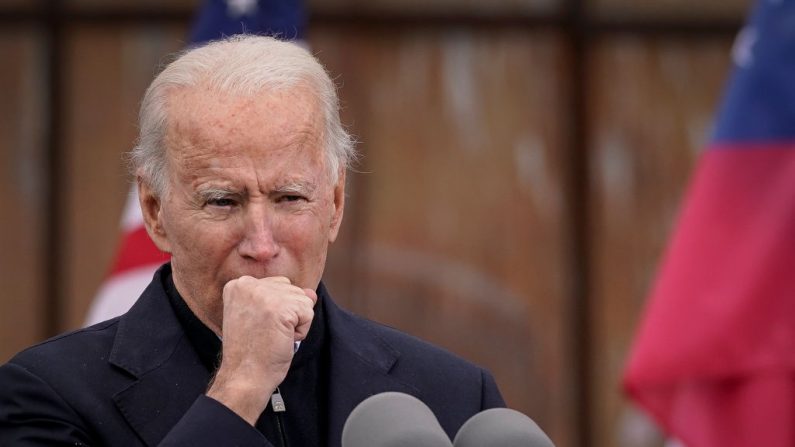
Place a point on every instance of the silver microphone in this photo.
(393, 419)
(501, 427)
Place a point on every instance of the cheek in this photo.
(304, 233)
(202, 242)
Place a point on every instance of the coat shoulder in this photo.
(76, 348)
(416, 349)
(433, 367)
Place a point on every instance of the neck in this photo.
(210, 317)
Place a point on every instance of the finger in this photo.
(302, 330)
(305, 317)
(311, 294)
(300, 334)
(304, 301)
(279, 279)
(242, 280)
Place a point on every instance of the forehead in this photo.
(207, 123)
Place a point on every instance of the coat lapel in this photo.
(360, 363)
(167, 373)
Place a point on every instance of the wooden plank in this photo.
(473, 7)
(470, 7)
(15, 5)
(459, 236)
(23, 185)
(651, 111)
(132, 5)
(669, 9)
(110, 69)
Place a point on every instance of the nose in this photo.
(258, 242)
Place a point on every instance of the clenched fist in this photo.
(263, 318)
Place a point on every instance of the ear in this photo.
(339, 207)
(152, 210)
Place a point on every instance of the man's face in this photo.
(249, 193)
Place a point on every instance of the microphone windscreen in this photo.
(501, 427)
(393, 420)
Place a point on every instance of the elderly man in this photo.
(241, 168)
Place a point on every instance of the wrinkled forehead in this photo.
(202, 120)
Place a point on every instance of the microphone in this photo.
(501, 427)
(393, 419)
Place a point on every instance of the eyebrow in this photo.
(295, 187)
(216, 193)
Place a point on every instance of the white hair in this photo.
(245, 65)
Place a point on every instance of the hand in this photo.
(263, 318)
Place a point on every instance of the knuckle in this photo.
(246, 279)
(230, 285)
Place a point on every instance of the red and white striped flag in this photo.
(136, 262)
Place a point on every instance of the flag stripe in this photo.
(700, 320)
(137, 250)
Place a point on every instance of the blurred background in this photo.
(523, 163)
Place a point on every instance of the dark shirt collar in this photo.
(208, 345)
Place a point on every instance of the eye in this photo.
(291, 198)
(222, 202)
